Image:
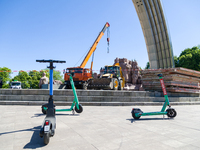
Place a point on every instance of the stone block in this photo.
(43, 92)
(6, 91)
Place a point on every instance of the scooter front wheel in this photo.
(46, 138)
(171, 113)
(44, 109)
(80, 109)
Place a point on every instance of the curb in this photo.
(36, 103)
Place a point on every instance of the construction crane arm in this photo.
(93, 48)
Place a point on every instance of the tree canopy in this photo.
(57, 75)
(189, 58)
(147, 65)
(24, 78)
(32, 79)
(5, 76)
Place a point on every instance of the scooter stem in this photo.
(51, 67)
(164, 92)
(74, 91)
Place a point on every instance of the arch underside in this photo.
(156, 34)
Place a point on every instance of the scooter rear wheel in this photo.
(136, 118)
(171, 113)
(46, 138)
(80, 109)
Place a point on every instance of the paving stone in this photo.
(99, 128)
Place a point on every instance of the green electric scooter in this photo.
(76, 106)
(170, 112)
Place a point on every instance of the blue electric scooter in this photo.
(49, 124)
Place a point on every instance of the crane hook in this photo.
(108, 38)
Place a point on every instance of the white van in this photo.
(15, 85)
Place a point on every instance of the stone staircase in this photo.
(94, 97)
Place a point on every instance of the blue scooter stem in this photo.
(51, 82)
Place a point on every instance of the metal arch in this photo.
(156, 34)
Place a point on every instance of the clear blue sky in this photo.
(66, 29)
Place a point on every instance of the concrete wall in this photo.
(94, 97)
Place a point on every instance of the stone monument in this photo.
(131, 72)
(43, 80)
(156, 33)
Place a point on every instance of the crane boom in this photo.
(93, 48)
(82, 74)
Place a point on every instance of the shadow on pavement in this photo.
(38, 115)
(35, 142)
(67, 114)
(144, 119)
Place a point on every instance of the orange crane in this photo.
(81, 74)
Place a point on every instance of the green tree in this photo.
(57, 76)
(35, 78)
(189, 58)
(24, 78)
(32, 79)
(147, 66)
(176, 61)
(5, 76)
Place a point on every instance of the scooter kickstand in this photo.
(73, 111)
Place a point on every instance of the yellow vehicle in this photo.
(111, 79)
(81, 74)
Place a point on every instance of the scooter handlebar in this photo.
(50, 60)
(70, 74)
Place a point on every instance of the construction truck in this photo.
(80, 74)
(111, 78)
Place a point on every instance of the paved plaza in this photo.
(101, 128)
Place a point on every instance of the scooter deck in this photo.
(64, 110)
(150, 113)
